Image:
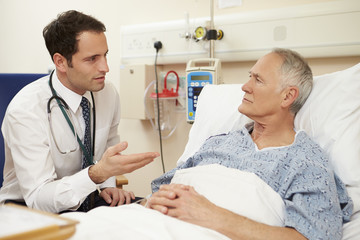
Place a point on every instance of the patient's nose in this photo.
(246, 88)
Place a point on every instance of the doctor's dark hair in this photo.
(61, 34)
(295, 72)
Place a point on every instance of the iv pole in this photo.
(212, 41)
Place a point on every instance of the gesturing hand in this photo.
(113, 163)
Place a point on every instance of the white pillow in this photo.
(216, 113)
(331, 116)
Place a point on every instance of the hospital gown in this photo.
(316, 201)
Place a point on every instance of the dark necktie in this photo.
(87, 136)
(86, 205)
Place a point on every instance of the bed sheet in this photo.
(248, 195)
(351, 230)
(135, 222)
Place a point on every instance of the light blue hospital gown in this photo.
(315, 199)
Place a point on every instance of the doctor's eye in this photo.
(92, 58)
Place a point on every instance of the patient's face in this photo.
(262, 91)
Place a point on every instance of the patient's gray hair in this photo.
(295, 72)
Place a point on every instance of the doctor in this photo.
(46, 166)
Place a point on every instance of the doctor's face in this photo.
(89, 64)
(262, 91)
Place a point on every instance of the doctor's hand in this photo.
(183, 202)
(114, 163)
(116, 197)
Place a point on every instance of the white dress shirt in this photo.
(35, 170)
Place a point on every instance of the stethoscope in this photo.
(65, 111)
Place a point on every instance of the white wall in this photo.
(22, 49)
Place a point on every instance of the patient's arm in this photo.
(184, 203)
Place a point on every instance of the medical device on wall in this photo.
(199, 73)
(163, 114)
(202, 33)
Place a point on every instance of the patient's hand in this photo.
(182, 202)
(162, 199)
(116, 196)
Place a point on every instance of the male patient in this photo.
(316, 202)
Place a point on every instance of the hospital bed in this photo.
(330, 115)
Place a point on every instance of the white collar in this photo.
(71, 98)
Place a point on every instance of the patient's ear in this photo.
(60, 62)
(289, 96)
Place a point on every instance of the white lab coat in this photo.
(34, 168)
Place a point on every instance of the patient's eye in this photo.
(252, 75)
(257, 78)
